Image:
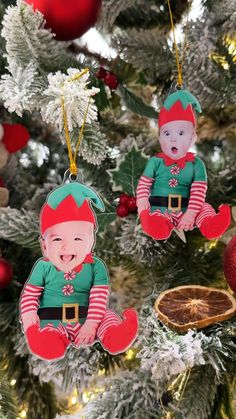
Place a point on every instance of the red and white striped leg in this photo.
(206, 211)
(156, 225)
(117, 335)
(110, 319)
(73, 330)
(213, 225)
(47, 343)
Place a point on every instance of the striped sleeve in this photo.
(197, 196)
(97, 302)
(30, 299)
(144, 187)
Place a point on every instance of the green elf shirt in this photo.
(173, 178)
(58, 290)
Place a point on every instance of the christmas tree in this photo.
(166, 373)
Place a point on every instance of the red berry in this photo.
(11, 132)
(6, 273)
(101, 73)
(131, 204)
(122, 211)
(124, 199)
(230, 263)
(2, 184)
(111, 81)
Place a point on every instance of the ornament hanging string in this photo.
(179, 63)
(72, 158)
(183, 378)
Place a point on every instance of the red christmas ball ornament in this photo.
(101, 73)
(123, 199)
(2, 184)
(122, 211)
(6, 273)
(131, 204)
(15, 137)
(68, 19)
(111, 81)
(230, 263)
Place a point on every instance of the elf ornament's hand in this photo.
(29, 319)
(143, 204)
(187, 221)
(87, 333)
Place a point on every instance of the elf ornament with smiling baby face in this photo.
(171, 192)
(64, 301)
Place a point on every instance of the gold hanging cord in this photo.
(72, 158)
(179, 63)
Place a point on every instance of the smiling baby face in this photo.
(67, 244)
(176, 138)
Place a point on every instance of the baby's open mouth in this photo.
(67, 258)
(174, 150)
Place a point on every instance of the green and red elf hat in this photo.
(179, 106)
(69, 202)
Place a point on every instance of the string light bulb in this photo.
(130, 354)
(13, 382)
(74, 400)
(85, 397)
(101, 372)
(212, 244)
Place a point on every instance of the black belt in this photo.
(172, 202)
(68, 313)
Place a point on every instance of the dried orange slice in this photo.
(194, 306)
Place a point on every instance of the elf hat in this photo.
(179, 106)
(69, 202)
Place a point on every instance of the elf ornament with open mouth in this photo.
(171, 192)
(64, 301)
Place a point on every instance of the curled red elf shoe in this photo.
(118, 339)
(156, 226)
(47, 344)
(214, 226)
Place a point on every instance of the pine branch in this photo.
(212, 83)
(131, 282)
(39, 399)
(76, 97)
(21, 90)
(140, 14)
(222, 15)
(130, 395)
(79, 49)
(167, 353)
(93, 148)
(8, 401)
(141, 48)
(77, 370)
(30, 51)
(20, 227)
(8, 314)
(199, 395)
(223, 406)
(221, 174)
(27, 40)
(139, 246)
(110, 10)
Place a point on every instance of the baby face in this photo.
(67, 244)
(176, 138)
